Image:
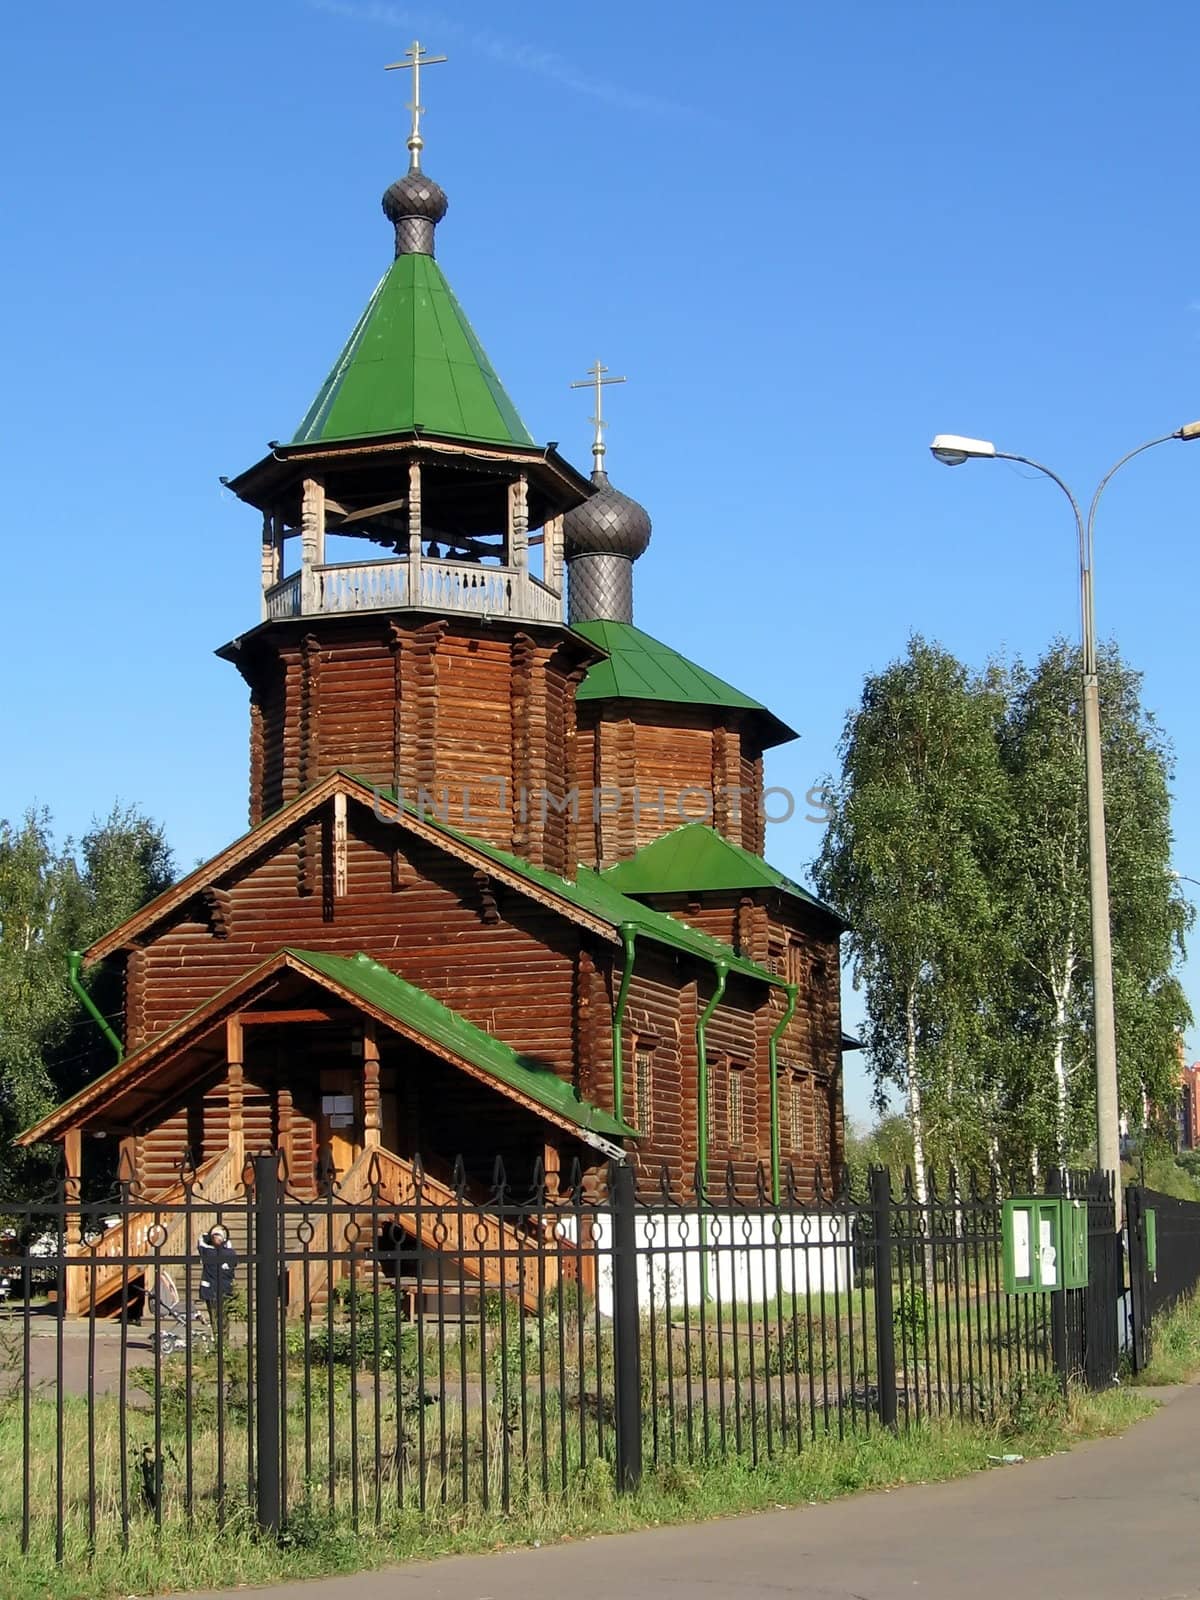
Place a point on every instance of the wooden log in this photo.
(234, 1056)
(372, 1100)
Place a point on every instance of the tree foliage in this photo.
(53, 900)
(957, 850)
(917, 819)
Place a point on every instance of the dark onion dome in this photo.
(415, 204)
(607, 523)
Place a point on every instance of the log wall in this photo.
(668, 765)
(433, 928)
(478, 718)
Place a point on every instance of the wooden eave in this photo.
(235, 651)
(555, 484)
(250, 844)
(138, 1070)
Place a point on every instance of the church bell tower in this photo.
(412, 627)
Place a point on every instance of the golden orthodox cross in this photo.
(418, 58)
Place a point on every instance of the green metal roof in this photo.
(592, 893)
(417, 1009)
(413, 361)
(643, 668)
(697, 857)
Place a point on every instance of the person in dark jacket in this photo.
(218, 1263)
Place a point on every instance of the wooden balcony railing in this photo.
(447, 586)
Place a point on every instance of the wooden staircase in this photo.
(98, 1273)
(497, 1253)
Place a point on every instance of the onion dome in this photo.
(602, 538)
(415, 205)
(609, 523)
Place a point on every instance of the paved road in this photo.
(1112, 1520)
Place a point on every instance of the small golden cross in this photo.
(418, 59)
(597, 380)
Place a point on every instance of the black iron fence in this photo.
(236, 1351)
(1164, 1260)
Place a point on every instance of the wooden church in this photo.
(503, 890)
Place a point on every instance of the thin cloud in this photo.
(539, 62)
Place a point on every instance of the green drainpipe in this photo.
(628, 932)
(789, 1011)
(722, 970)
(74, 967)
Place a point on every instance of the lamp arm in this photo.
(1090, 541)
(1085, 573)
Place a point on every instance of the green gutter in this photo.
(722, 971)
(74, 967)
(789, 1011)
(628, 932)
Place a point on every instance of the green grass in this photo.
(1032, 1418)
(1175, 1345)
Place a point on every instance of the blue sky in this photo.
(812, 236)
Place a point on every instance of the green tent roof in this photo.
(696, 857)
(591, 892)
(413, 361)
(417, 1009)
(643, 668)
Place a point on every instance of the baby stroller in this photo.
(172, 1317)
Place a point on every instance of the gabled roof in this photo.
(640, 667)
(436, 1023)
(277, 824)
(589, 892)
(588, 901)
(695, 858)
(392, 1000)
(413, 362)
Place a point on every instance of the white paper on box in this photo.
(1022, 1266)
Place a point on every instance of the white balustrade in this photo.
(362, 586)
(448, 586)
(282, 599)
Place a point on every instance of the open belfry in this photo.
(503, 892)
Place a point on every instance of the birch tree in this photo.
(1044, 886)
(919, 819)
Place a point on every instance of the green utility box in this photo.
(1150, 1219)
(1045, 1244)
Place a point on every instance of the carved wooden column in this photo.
(236, 1079)
(552, 552)
(312, 544)
(552, 1164)
(73, 1162)
(284, 1121)
(518, 524)
(340, 847)
(414, 533)
(272, 554)
(372, 1102)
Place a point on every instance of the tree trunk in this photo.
(916, 1119)
(915, 1114)
(1062, 999)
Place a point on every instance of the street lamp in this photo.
(952, 450)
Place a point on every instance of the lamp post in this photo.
(952, 450)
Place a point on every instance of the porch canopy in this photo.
(310, 988)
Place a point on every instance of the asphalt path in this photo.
(1113, 1519)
